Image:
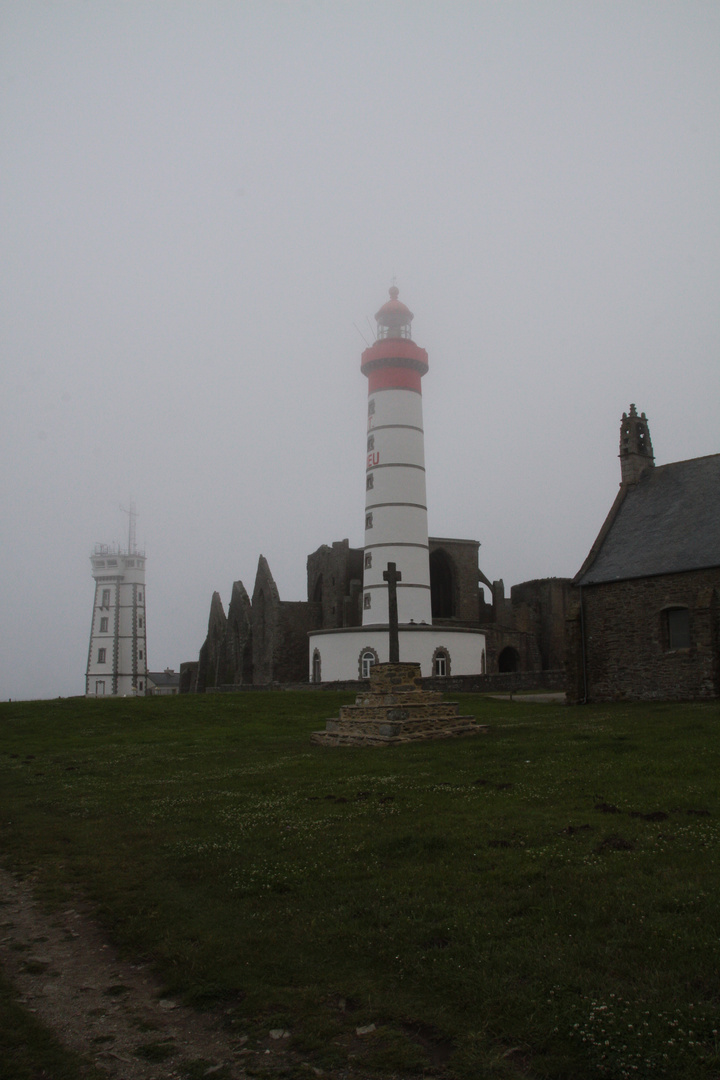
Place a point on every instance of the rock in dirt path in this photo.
(105, 1008)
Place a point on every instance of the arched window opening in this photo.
(441, 663)
(316, 668)
(509, 659)
(368, 658)
(442, 585)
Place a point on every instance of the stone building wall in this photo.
(462, 558)
(624, 625)
(334, 580)
(239, 635)
(540, 609)
(295, 619)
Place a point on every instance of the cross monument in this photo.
(392, 575)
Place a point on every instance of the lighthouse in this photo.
(396, 528)
(396, 553)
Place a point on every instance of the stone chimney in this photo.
(636, 452)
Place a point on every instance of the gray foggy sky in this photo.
(198, 200)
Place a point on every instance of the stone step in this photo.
(397, 726)
(420, 696)
(400, 711)
(355, 738)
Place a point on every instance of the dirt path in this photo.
(107, 1009)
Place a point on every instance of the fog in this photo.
(199, 201)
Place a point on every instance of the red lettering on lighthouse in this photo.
(373, 459)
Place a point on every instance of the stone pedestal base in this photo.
(396, 710)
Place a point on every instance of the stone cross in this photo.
(392, 575)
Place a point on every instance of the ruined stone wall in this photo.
(188, 677)
(463, 556)
(295, 619)
(214, 663)
(626, 647)
(334, 580)
(540, 608)
(239, 636)
(499, 638)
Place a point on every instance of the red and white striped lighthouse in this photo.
(396, 529)
(395, 502)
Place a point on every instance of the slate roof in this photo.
(164, 678)
(666, 523)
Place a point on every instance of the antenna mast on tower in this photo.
(132, 517)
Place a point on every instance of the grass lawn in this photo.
(541, 901)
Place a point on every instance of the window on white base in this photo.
(367, 601)
(140, 597)
(105, 598)
(140, 623)
(140, 685)
(140, 655)
(102, 656)
(368, 560)
(367, 660)
(103, 626)
(100, 688)
(441, 663)
(316, 668)
(368, 521)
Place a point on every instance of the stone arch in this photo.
(509, 659)
(442, 585)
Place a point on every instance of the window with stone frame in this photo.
(105, 598)
(104, 625)
(676, 628)
(368, 560)
(102, 654)
(368, 521)
(368, 659)
(371, 407)
(370, 481)
(371, 443)
(366, 601)
(441, 663)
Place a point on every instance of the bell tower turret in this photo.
(636, 452)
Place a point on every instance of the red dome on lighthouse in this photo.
(394, 359)
(394, 317)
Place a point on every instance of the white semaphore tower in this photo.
(396, 527)
(117, 656)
